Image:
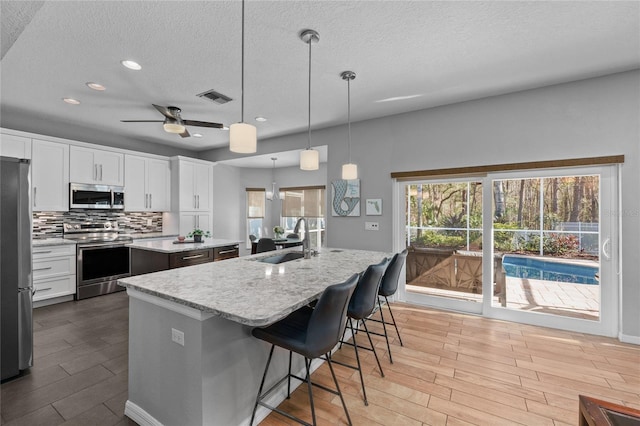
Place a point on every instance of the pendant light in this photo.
(309, 158)
(273, 195)
(349, 170)
(242, 136)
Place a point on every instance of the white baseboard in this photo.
(635, 340)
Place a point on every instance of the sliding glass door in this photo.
(533, 246)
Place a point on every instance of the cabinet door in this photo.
(82, 167)
(15, 146)
(203, 187)
(203, 221)
(109, 167)
(158, 185)
(50, 176)
(135, 195)
(187, 223)
(187, 172)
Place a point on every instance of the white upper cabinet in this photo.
(147, 184)
(50, 176)
(95, 166)
(194, 186)
(15, 146)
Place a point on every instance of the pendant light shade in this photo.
(349, 170)
(309, 158)
(274, 194)
(242, 136)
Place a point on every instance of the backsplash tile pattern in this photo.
(49, 224)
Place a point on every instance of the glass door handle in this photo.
(605, 247)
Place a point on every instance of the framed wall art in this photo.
(373, 207)
(345, 198)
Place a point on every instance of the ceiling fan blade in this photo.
(142, 121)
(165, 111)
(202, 124)
(185, 134)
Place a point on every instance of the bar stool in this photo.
(388, 287)
(361, 305)
(265, 244)
(310, 332)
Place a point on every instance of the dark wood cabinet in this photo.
(226, 252)
(190, 258)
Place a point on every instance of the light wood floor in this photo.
(454, 369)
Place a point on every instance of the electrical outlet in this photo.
(371, 226)
(177, 336)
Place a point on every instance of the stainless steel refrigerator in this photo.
(16, 284)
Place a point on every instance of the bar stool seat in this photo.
(312, 333)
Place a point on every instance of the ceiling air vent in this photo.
(214, 96)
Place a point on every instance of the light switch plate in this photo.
(371, 226)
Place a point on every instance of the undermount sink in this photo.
(281, 258)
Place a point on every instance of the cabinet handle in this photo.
(101, 172)
(195, 256)
(42, 269)
(194, 201)
(41, 289)
(150, 201)
(35, 192)
(95, 172)
(227, 251)
(42, 252)
(146, 200)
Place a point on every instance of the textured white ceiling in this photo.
(439, 52)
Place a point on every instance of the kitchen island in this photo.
(192, 358)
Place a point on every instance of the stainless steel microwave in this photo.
(85, 196)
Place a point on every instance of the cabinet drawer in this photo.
(226, 252)
(46, 289)
(54, 267)
(188, 258)
(41, 252)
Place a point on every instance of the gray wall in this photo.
(587, 118)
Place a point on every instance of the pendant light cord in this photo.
(242, 71)
(349, 114)
(309, 126)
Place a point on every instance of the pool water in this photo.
(527, 267)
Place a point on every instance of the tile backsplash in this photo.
(49, 224)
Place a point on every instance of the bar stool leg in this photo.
(328, 356)
(307, 364)
(264, 376)
(373, 348)
(355, 346)
(394, 320)
(289, 377)
(384, 326)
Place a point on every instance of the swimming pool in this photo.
(539, 269)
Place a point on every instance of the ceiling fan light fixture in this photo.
(173, 126)
(242, 138)
(309, 159)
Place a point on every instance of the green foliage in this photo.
(504, 240)
(199, 232)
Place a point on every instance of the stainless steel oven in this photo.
(103, 258)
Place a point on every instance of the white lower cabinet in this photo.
(54, 271)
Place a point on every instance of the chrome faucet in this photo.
(306, 243)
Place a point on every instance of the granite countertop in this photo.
(145, 235)
(167, 245)
(42, 242)
(251, 292)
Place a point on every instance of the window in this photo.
(255, 213)
(307, 202)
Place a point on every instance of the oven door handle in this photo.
(100, 245)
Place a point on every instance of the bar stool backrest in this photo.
(265, 244)
(390, 279)
(366, 293)
(329, 317)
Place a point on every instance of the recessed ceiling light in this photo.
(261, 119)
(71, 101)
(224, 128)
(96, 86)
(132, 65)
(196, 135)
(399, 98)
